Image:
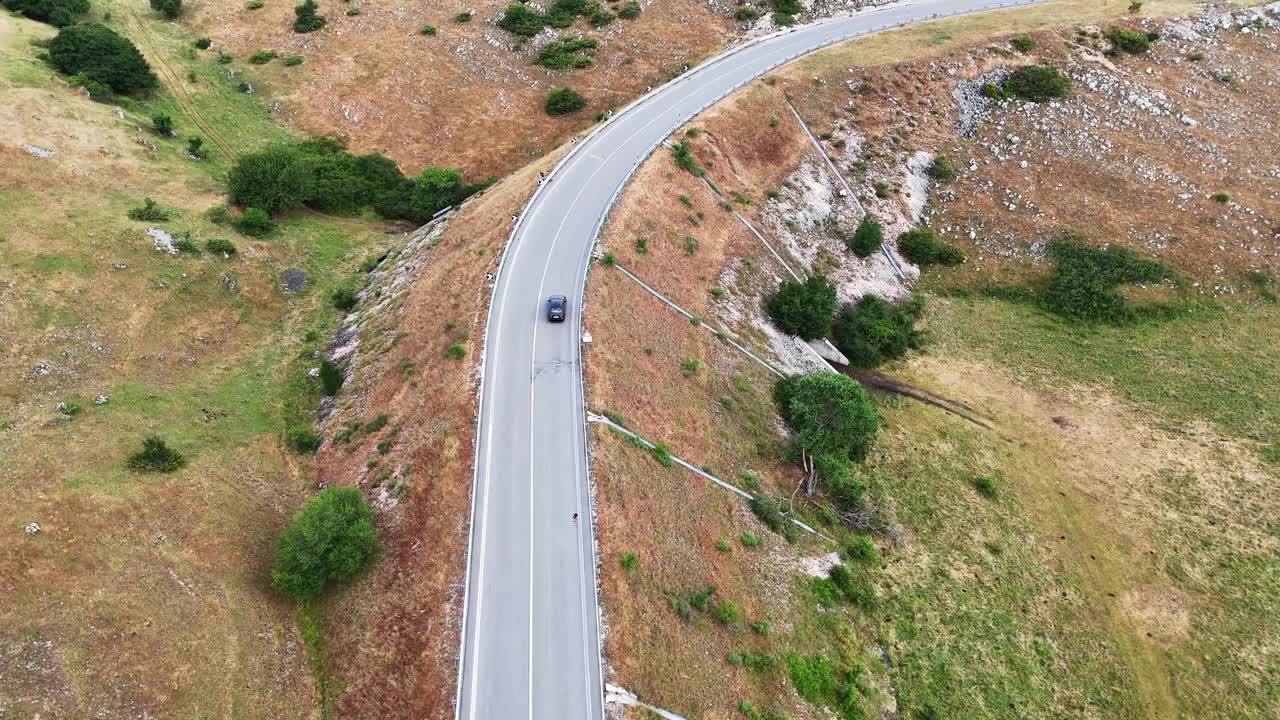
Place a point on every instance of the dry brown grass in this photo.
(459, 98)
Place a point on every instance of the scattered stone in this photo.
(313, 372)
(119, 111)
(31, 528)
(101, 400)
(229, 283)
(42, 369)
(38, 152)
(163, 241)
(295, 280)
(119, 266)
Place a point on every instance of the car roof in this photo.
(561, 298)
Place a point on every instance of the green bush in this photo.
(803, 309)
(855, 588)
(727, 613)
(873, 331)
(195, 148)
(171, 9)
(456, 351)
(769, 512)
(149, 212)
(630, 10)
(1134, 43)
(202, 43)
(628, 561)
(462, 17)
(682, 153)
(254, 5)
(746, 13)
(162, 124)
(58, 13)
(758, 663)
(225, 58)
(344, 298)
(427, 30)
(750, 540)
(1221, 197)
(331, 539)
(941, 169)
(307, 18)
(262, 57)
(97, 53)
(920, 246)
(522, 20)
(863, 551)
(1037, 83)
(724, 546)
(255, 222)
(701, 600)
(818, 681)
(156, 456)
(564, 101)
(303, 440)
(561, 54)
(184, 244)
(275, 179)
(353, 10)
(220, 246)
(420, 198)
(1023, 43)
(1084, 281)
(986, 486)
(330, 378)
(868, 238)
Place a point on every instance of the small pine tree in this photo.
(156, 456)
(308, 20)
(564, 101)
(868, 238)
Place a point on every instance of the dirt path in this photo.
(146, 42)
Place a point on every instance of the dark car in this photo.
(557, 307)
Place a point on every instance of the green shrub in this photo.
(1135, 6)
(156, 456)
(428, 30)
(331, 539)
(97, 53)
(171, 9)
(782, 19)
(727, 613)
(184, 244)
(628, 561)
(462, 17)
(254, 5)
(293, 60)
(255, 222)
(303, 440)
(701, 600)
(522, 20)
(1037, 83)
(561, 54)
(219, 246)
(986, 486)
(882, 189)
(689, 366)
(758, 663)
(769, 512)
(828, 413)
(1134, 43)
(863, 551)
(941, 169)
(1023, 43)
(58, 13)
(874, 330)
(630, 10)
(1221, 197)
(691, 245)
(195, 148)
(275, 179)
(307, 18)
(750, 540)
(564, 101)
(867, 239)
(344, 298)
(331, 378)
(723, 546)
(1084, 281)
(681, 606)
(662, 454)
(225, 58)
(682, 153)
(420, 198)
(803, 309)
(149, 212)
(353, 11)
(202, 43)
(746, 13)
(262, 57)
(456, 351)
(920, 246)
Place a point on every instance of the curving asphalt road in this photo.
(531, 625)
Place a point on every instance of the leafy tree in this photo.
(829, 415)
(803, 309)
(171, 9)
(1037, 83)
(920, 246)
(97, 53)
(434, 189)
(58, 13)
(255, 222)
(874, 330)
(331, 539)
(156, 456)
(275, 179)
(564, 101)
(868, 238)
(307, 18)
